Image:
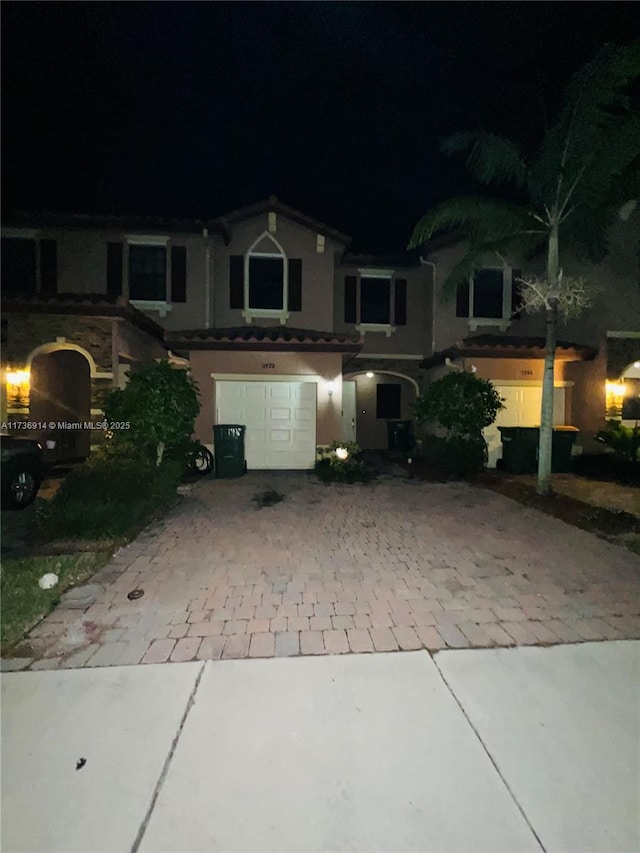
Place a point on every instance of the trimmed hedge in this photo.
(109, 497)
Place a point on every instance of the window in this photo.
(266, 283)
(492, 297)
(388, 400)
(148, 273)
(29, 266)
(487, 293)
(19, 266)
(375, 299)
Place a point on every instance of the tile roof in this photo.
(83, 304)
(509, 346)
(34, 219)
(265, 337)
(406, 260)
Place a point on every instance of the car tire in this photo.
(20, 487)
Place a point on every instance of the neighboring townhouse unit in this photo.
(483, 328)
(283, 329)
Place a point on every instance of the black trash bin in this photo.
(519, 449)
(228, 446)
(564, 437)
(399, 435)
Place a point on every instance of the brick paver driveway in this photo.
(401, 564)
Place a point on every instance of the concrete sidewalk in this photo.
(500, 750)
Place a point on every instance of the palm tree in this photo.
(588, 163)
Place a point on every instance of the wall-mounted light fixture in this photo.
(331, 387)
(369, 374)
(18, 383)
(614, 398)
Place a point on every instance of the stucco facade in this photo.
(206, 318)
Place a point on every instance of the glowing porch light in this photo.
(616, 389)
(18, 383)
(369, 374)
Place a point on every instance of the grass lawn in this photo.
(23, 603)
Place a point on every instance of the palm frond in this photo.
(491, 158)
(474, 217)
(596, 101)
(513, 245)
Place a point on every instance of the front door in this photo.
(348, 432)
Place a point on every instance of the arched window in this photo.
(266, 278)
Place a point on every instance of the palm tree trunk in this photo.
(543, 485)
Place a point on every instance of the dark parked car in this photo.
(23, 469)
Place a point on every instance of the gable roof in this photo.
(274, 205)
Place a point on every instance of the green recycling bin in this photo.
(228, 447)
(399, 435)
(519, 449)
(564, 437)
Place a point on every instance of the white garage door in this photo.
(280, 418)
(522, 408)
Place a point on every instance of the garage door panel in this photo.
(522, 409)
(280, 418)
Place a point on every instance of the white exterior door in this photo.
(348, 432)
(522, 408)
(280, 418)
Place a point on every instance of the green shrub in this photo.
(160, 404)
(109, 497)
(454, 457)
(624, 441)
(338, 464)
(464, 405)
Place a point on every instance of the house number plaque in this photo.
(268, 365)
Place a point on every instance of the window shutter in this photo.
(295, 284)
(516, 295)
(178, 273)
(462, 300)
(350, 298)
(114, 269)
(48, 268)
(236, 281)
(400, 307)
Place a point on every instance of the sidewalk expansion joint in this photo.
(489, 756)
(167, 763)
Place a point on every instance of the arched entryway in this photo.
(60, 396)
(380, 396)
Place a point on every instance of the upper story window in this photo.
(491, 298)
(29, 266)
(148, 273)
(375, 300)
(265, 282)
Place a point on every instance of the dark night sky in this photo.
(194, 109)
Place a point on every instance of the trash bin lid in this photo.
(565, 429)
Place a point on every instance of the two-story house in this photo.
(264, 305)
(283, 329)
(484, 329)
